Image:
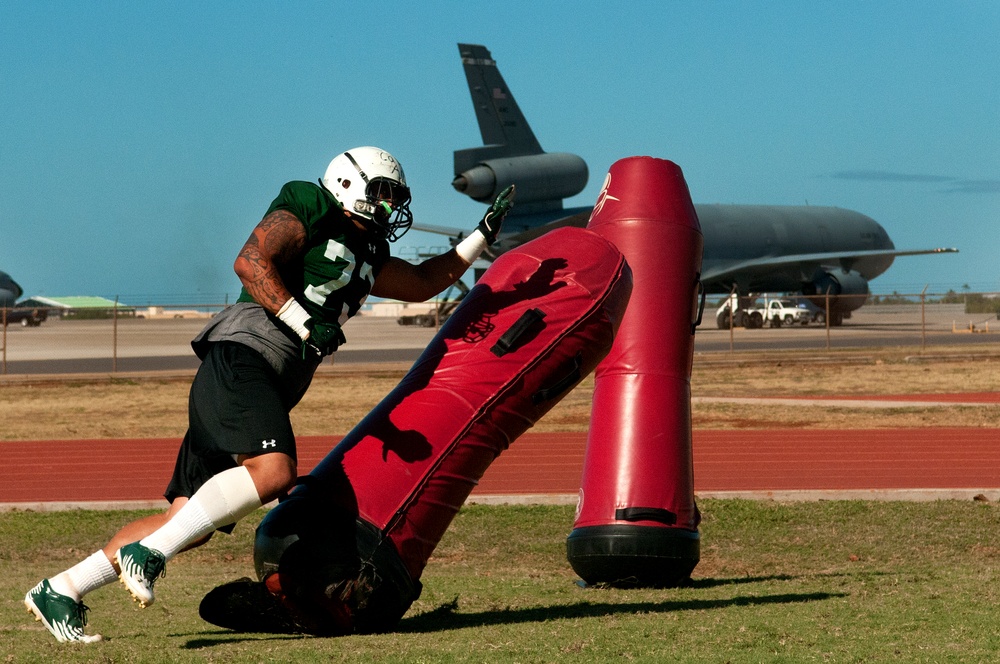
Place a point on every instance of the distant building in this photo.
(78, 306)
(169, 312)
(394, 309)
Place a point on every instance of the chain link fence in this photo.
(878, 320)
(112, 339)
(150, 338)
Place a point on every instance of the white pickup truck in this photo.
(785, 312)
(774, 312)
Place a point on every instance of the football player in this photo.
(308, 266)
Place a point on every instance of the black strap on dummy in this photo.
(563, 384)
(518, 332)
(646, 514)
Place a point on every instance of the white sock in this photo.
(222, 500)
(87, 575)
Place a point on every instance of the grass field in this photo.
(804, 582)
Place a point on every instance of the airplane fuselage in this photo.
(736, 234)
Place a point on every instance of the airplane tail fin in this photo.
(505, 131)
(510, 153)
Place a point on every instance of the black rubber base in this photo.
(628, 556)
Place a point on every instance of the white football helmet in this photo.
(369, 183)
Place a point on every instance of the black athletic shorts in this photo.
(236, 406)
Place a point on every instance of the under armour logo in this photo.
(269, 443)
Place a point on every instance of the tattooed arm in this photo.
(278, 239)
(401, 280)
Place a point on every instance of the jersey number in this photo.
(340, 257)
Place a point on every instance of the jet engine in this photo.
(847, 291)
(539, 177)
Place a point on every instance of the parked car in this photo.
(26, 316)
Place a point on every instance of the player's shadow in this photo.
(445, 617)
(715, 583)
(732, 581)
(226, 637)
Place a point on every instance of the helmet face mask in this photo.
(369, 184)
(390, 204)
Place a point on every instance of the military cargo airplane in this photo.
(827, 253)
(9, 290)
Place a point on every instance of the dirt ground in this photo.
(157, 407)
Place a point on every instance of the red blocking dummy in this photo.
(539, 320)
(637, 520)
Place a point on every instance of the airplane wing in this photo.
(842, 259)
(579, 220)
(515, 238)
(450, 231)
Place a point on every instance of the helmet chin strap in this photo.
(366, 207)
(361, 172)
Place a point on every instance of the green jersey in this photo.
(334, 276)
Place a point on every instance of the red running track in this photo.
(724, 460)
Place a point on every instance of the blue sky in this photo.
(141, 142)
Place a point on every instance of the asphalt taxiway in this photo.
(163, 344)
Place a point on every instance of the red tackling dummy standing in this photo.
(637, 520)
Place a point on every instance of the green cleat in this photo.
(140, 567)
(61, 615)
